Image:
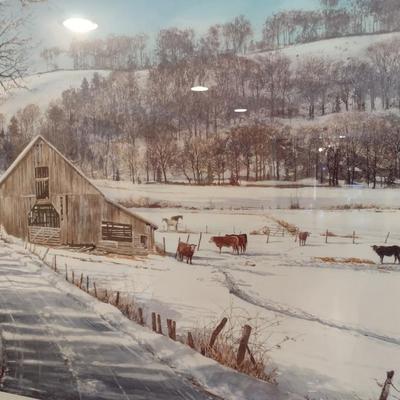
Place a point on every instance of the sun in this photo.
(79, 25)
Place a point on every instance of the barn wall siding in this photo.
(81, 207)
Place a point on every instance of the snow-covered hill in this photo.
(336, 49)
(44, 87)
(41, 88)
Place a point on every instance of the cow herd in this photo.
(238, 243)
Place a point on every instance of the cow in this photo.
(226, 241)
(242, 241)
(387, 251)
(302, 237)
(185, 250)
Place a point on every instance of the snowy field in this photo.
(329, 326)
(217, 197)
(337, 49)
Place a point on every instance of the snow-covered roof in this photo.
(40, 137)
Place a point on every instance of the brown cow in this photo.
(185, 250)
(303, 237)
(242, 241)
(226, 241)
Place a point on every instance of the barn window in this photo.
(42, 182)
(44, 215)
(116, 232)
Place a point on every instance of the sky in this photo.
(149, 16)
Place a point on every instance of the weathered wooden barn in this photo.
(45, 199)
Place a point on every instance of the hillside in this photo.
(336, 49)
(42, 88)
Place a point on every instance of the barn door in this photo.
(44, 225)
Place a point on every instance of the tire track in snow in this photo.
(300, 314)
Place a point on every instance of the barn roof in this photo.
(40, 137)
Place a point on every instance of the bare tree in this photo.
(13, 44)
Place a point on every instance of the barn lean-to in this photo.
(45, 199)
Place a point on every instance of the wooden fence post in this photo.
(354, 237)
(188, 237)
(387, 237)
(164, 248)
(81, 281)
(117, 300)
(153, 322)
(140, 315)
(268, 236)
(198, 245)
(217, 331)
(326, 236)
(159, 327)
(87, 283)
(169, 327)
(73, 277)
(66, 272)
(244, 341)
(190, 340)
(206, 228)
(95, 289)
(386, 386)
(173, 330)
(176, 252)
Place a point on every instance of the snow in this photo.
(215, 197)
(42, 88)
(45, 87)
(329, 327)
(342, 48)
(8, 396)
(334, 319)
(95, 340)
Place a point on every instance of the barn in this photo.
(45, 199)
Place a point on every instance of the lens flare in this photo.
(80, 25)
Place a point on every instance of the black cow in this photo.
(387, 251)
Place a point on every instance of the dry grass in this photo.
(256, 362)
(357, 206)
(145, 202)
(292, 229)
(224, 352)
(226, 345)
(339, 260)
(262, 231)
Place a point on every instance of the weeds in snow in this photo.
(351, 260)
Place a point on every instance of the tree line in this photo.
(334, 18)
(114, 128)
